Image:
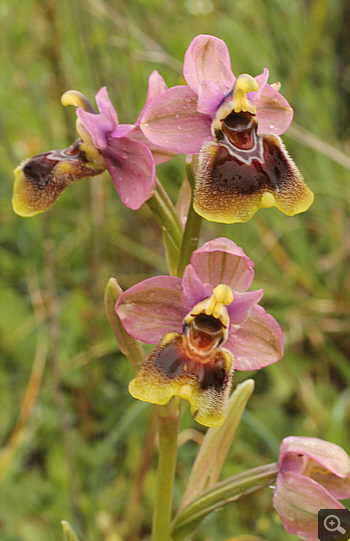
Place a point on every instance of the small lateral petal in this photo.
(194, 289)
(98, 127)
(241, 305)
(258, 341)
(261, 80)
(221, 261)
(156, 86)
(105, 105)
(171, 120)
(208, 59)
(297, 500)
(152, 308)
(132, 169)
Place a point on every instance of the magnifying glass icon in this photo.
(332, 524)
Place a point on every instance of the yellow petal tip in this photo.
(21, 195)
(76, 98)
(267, 200)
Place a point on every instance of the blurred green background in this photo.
(74, 444)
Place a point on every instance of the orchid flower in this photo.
(121, 148)
(234, 124)
(204, 325)
(40, 180)
(313, 475)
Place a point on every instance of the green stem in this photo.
(179, 248)
(166, 216)
(168, 417)
(221, 494)
(192, 229)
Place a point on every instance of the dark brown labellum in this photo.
(173, 362)
(232, 184)
(239, 129)
(204, 332)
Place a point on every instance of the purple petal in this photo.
(241, 305)
(221, 261)
(98, 127)
(210, 96)
(194, 290)
(160, 154)
(297, 500)
(329, 455)
(122, 130)
(208, 59)
(171, 120)
(156, 86)
(273, 112)
(132, 169)
(105, 105)
(261, 80)
(152, 308)
(257, 343)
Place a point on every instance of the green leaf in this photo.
(216, 443)
(227, 491)
(192, 229)
(169, 221)
(131, 347)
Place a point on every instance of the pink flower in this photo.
(129, 157)
(121, 148)
(313, 475)
(204, 324)
(234, 124)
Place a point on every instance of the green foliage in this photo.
(87, 454)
